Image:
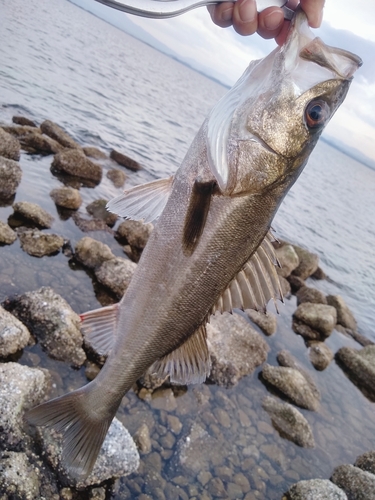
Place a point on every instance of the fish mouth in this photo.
(253, 136)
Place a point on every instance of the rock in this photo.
(320, 355)
(98, 210)
(344, 315)
(21, 388)
(116, 176)
(14, 336)
(308, 263)
(312, 295)
(116, 274)
(22, 120)
(284, 358)
(361, 339)
(319, 274)
(356, 483)
(52, 321)
(39, 244)
(91, 370)
(94, 153)
(366, 462)
(7, 235)
(236, 349)
(136, 233)
(89, 225)
(92, 253)
(125, 161)
(286, 289)
(9, 146)
(289, 422)
(118, 456)
(74, 162)
(142, 439)
(295, 283)
(21, 131)
(315, 489)
(19, 479)
(360, 366)
(38, 143)
(58, 134)
(33, 213)
(293, 384)
(314, 321)
(266, 322)
(288, 259)
(10, 177)
(66, 197)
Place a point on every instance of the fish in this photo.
(211, 248)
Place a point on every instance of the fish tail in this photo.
(82, 428)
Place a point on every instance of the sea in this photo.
(110, 90)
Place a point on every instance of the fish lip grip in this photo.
(163, 9)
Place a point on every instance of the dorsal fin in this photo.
(255, 284)
(99, 328)
(188, 364)
(196, 215)
(145, 202)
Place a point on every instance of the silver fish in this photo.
(210, 250)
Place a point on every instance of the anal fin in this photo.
(99, 328)
(188, 364)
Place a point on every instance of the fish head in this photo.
(265, 128)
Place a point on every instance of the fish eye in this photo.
(316, 113)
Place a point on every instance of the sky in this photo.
(224, 54)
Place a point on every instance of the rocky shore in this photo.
(264, 420)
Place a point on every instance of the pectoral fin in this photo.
(99, 328)
(188, 364)
(145, 202)
(255, 284)
(197, 214)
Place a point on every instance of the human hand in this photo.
(269, 23)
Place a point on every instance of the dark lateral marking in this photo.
(196, 215)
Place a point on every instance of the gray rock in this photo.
(142, 439)
(98, 210)
(19, 479)
(7, 235)
(66, 197)
(293, 384)
(289, 422)
(319, 274)
(356, 483)
(92, 253)
(266, 322)
(288, 259)
(314, 321)
(360, 366)
(52, 321)
(344, 315)
(236, 349)
(58, 134)
(94, 153)
(21, 131)
(116, 274)
(21, 388)
(117, 176)
(22, 120)
(88, 225)
(136, 233)
(295, 283)
(13, 334)
(74, 162)
(39, 244)
(37, 143)
(315, 489)
(10, 177)
(312, 295)
(285, 358)
(320, 354)
(308, 263)
(125, 161)
(33, 213)
(118, 456)
(9, 146)
(366, 462)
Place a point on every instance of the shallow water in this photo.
(108, 90)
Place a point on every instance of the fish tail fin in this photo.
(83, 431)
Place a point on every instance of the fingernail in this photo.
(273, 20)
(227, 14)
(248, 11)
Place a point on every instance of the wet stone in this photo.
(136, 233)
(7, 235)
(295, 283)
(266, 322)
(356, 483)
(19, 479)
(13, 334)
(92, 253)
(58, 134)
(313, 321)
(39, 244)
(360, 366)
(216, 488)
(9, 146)
(87, 225)
(366, 462)
(22, 120)
(33, 213)
(174, 424)
(284, 358)
(66, 197)
(91, 370)
(142, 439)
(117, 176)
(163, 399)
(222, 417)
(10, 177)
(125, 161)
(345, 317)
(288, 259)
(74, 162)
(94, 152)
(36, 143)
(204, 477)
(312, 295)
(98, 210)
(320, 355)
(308, 263)
(116, 274)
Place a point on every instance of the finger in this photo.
(314, 11)
(270, 22)
(282, 36)
(222, 14)
(245, 17)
